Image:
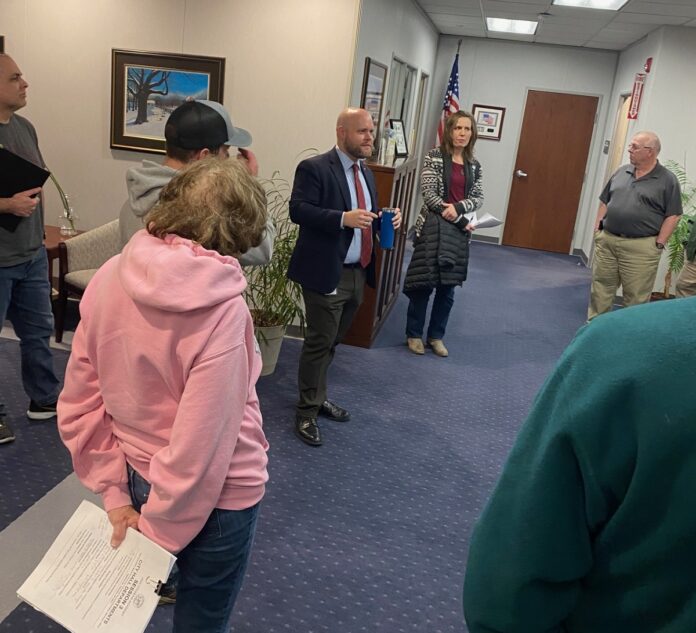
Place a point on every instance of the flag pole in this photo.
(451, 101)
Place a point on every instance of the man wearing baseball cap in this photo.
(194, 130)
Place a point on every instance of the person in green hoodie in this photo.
(591, 527)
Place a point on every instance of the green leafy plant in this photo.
(272, 298)
(677, 241)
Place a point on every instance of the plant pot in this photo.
(270, 340)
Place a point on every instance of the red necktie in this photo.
(366, 242)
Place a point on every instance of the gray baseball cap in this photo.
(235, 135)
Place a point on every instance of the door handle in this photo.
(521, 174)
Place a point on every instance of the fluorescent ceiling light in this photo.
(521, 27)
(609, 5)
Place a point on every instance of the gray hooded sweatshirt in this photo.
(144, 184)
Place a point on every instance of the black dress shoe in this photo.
(333, 412)
(307, 430)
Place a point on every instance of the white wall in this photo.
(670, 110)
(288, 71)
(499, 73)
(395, 28)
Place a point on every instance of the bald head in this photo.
(643, 150)
(13, 88)
(650, 139)
(355, 133)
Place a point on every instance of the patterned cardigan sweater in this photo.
(441, 254)
(435, 177)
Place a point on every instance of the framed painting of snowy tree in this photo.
(146, 87)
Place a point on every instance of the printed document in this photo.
(486, 221)
(85, 585)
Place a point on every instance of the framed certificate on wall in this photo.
(489, 121)
(397, 125)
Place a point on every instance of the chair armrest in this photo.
(92, 248)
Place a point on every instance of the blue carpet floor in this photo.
(37, 460)
(369, 533)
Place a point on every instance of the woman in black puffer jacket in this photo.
(451, 188)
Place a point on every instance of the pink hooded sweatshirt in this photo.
(163, 375)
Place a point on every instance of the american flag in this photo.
(451, 102)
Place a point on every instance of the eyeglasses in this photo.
(633, 147)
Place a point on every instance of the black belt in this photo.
(630, 237)
(355, 265)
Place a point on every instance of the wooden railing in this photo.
(396, 187)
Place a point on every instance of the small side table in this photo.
(51, 241)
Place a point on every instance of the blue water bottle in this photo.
(386, 231)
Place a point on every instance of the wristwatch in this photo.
(659, 245)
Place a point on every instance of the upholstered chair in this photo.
(78, 260)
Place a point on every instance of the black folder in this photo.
(17, 174)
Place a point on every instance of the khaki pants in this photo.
(621, 261)
(686, 284)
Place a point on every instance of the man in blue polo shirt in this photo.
(640, 207)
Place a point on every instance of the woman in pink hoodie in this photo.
(159, 409)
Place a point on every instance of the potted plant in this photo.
(274, 301)
(677, 241)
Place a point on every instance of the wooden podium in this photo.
(396, 186)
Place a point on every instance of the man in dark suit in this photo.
(334, 201)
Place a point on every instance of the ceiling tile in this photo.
(644, 18)
(468, 4)
(556, 31)
(565, 25)
(627, 27)
(458, 20)
(449, 11)
(671, 9)
(617, 38)
(533, 5)
(676, 3)
(452, 7)
(567, 40)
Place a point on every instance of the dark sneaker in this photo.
(38, 412)
(6, 434)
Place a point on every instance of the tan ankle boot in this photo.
(415, 345)
(438, 347)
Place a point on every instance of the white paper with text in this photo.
(486, 221)
(85, 585)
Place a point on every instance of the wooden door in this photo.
(549, 170)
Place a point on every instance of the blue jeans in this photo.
(211, 566)
(439, 315)
(25, 299)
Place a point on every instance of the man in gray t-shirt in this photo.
(639, 208)
(25, 290)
